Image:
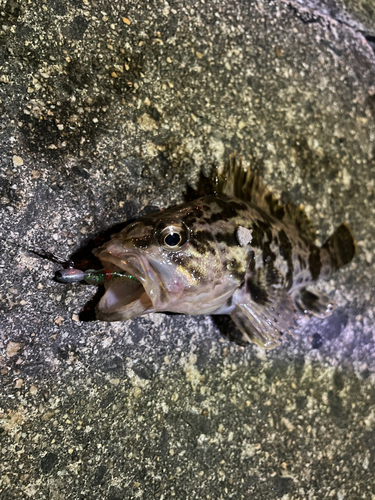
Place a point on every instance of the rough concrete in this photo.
(110, 109)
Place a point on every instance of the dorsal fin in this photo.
(237, 182)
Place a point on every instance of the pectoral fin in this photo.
(314, 301)
(264, 312)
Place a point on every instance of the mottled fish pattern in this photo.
(238, 251)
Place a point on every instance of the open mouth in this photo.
(123, 299)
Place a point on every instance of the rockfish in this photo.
(238, 252)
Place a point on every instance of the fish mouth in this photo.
(124, 300)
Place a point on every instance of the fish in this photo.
(237, 251)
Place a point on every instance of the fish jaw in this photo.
(162, 286)
(123, 301)
(158, 285)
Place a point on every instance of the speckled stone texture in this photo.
(110, 109)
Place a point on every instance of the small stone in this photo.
(75, 317)
(18, 384)
(146, 123)
(35, 174)
(33, 390)
(12, 349)
(17, 161)
(126, 20)
(244, 236)
(59, 320)
(137, 392)
(288, 424)
(241, 124)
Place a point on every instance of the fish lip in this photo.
(122, 260)
(138, 266)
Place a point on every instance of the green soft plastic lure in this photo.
(94, 277)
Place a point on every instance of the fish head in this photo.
(178, 260)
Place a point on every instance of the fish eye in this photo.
(172, 237)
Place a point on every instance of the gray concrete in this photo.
(110, 109)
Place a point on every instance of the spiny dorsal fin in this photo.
(237, 182)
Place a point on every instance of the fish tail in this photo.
(341, 246)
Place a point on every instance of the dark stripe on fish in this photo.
(191, 217)
(261, 238)
(215, 217)
(203, 235)
(197, 274)
(230, 208)
(252, 261)
(201, 241)
(260, 229)
(257, 293)
(286, 251)
(229, 238)
(190, 220)
(315, 263)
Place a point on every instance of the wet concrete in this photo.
(111, 109)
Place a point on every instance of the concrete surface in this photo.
(110, 109)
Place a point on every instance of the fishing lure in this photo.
(93, 277)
